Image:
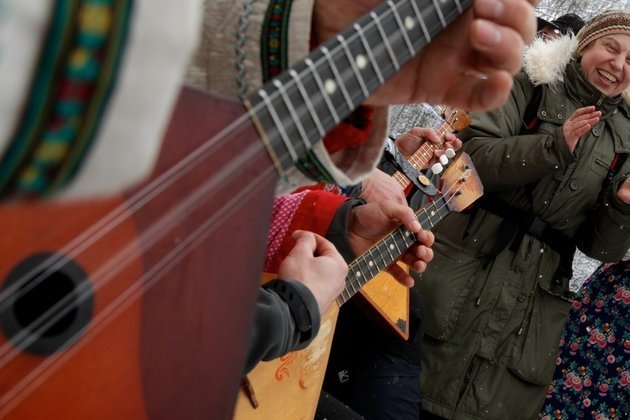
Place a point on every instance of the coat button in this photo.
(595, 131)
(559, 116)
(543, 113)
(574, 184)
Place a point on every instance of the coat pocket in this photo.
(535, 354)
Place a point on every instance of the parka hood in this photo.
(545, 61)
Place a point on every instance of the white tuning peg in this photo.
(449, 152)
(437, 168)
(444, 160)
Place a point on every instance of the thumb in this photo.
(305, 243)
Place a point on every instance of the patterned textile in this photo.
(592, 378)
(607, 23)
(84, 44)
(284, 208)
(87, 88)
(309, 209)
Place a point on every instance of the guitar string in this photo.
(149, 237)
(356, 36)
(51, 364)
(123, 257)
(155, 187)
(441, 131)
(136, 202)
(149, 192)
(74, 251)
(416, 158)
(449, 195)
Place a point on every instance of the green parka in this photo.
(493, 320)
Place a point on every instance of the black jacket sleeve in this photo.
(286, 319)
(287, 315)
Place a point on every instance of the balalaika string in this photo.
(140, 200)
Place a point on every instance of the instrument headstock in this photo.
(460, 183)
(458, 119)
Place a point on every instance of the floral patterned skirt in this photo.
(592, 378)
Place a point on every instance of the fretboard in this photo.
(389, 249)
(421, 157)
(296, 109)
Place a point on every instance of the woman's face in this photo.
(606, 63)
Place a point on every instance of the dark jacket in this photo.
(493, 317)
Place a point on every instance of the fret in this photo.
(369, 264)
(368, 50)
(278, 126)
(362, 279)
(399, 252)
(322, 90)
(366, 266)
(401, 240)
(428, 217)
(352, 281)
(403, 28)
(406, 234)
(379, 262)
(422, 156)
(423, 25)
(344, 296)
(402, 179)
(388, 248)
(460, 10)
(439, 12)
(308, 103)
(296, 119)
(353, 65)
(366, 270)
(338, 78)
(356, 272)
(297, 109)
(385, 40)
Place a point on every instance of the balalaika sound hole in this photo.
(46, 303)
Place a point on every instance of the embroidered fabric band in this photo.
(69, 92)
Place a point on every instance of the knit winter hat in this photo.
(607, 23)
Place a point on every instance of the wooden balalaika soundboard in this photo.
(289, 387)
(140, 306)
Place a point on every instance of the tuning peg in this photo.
(437, 168)
(450, 153)
(444, 160)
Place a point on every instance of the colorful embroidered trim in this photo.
(275, 38)
(75, 75)
(274, 59)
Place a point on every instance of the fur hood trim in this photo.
(544, 61)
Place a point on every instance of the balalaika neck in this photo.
(389, 249)
(296, 109)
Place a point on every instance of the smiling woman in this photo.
(605, 50)
(497, 292)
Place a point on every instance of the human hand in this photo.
(379, 186)
(315, 262)
(623, 193)
(411, 141)
(578, 124)
(372, 221)
(469, 65)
